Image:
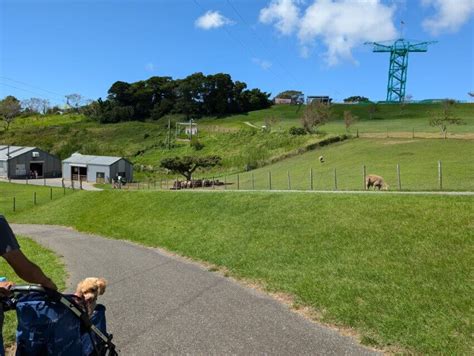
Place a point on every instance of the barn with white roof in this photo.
(19, 162)
(96, 169)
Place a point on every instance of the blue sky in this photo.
(52, 48)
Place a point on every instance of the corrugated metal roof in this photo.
(77, 158)
(13, 151)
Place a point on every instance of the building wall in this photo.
(92, 171)
(283, 101)
(66, 171)
(122, 166)
(19, 167)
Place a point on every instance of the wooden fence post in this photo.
(413, 133)
(357, 134)
(225, 182)
(50, 193)
(34, 198)
(270, 180)
(335, 179)
(238, 182)
(311, 178)
(289, 180)
(364, 174)
(14, 204)
(398, 177)
(253, 181)
(440, 175)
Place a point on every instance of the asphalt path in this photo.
(161, 304)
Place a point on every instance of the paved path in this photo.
(159, 304)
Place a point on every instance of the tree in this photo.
(187, 165)
(471, 94)
(349, 119)
(356, 99)
(373, 108)
(10, 108)
(35, 105)
(446, 117)
(296, 96)
(315, 115)
(270, 122)
(74, 101)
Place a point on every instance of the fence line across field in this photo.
(320, 179)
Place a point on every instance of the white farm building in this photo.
(96, 169)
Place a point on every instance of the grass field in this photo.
(418, 160)
(25, 194)
(49, 263)
(397, 269)
(238, 143)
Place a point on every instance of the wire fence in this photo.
(428, 176)
(21, 197)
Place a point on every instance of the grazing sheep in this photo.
(321, 159)
(375, 181)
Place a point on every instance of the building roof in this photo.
(13, 151)
(78, 158)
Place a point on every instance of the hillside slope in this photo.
(237, 139)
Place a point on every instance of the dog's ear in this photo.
(79, 288)
(101, 284)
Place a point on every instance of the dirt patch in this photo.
(394, 142)
(408, 134)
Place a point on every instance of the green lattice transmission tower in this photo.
(397, 73)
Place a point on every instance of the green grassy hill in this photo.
(237, 138)
(418, 160)
(396, 269)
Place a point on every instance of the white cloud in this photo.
(212, 19)
(450, 15)
(345, 24)
(264, 64)
(150, 67)
(340, 24)
(283, 13)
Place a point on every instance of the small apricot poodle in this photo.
(89, 290)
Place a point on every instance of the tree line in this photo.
(194, 96)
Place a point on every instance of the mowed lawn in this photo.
(418, 160)
(397, 269)
(23, 196)
(49, 263)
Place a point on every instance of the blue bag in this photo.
(47, 327)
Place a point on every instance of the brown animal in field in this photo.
(375, 181)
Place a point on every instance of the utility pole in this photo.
(190, 130)
(8, 162)
(169, 134)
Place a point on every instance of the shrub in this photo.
(297, 131)
(196, 144)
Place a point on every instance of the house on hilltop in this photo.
(17, 162)
(318, 99)
(96, 169)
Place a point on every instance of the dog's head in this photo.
(89, 289)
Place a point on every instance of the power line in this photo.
(26, 90)
(32, 86)
(262, 43)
